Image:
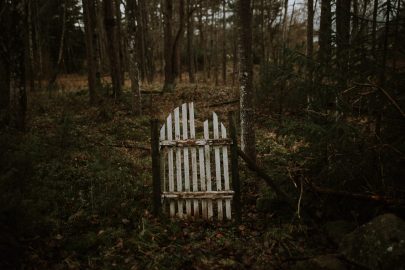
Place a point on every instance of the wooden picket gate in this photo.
(187, 165)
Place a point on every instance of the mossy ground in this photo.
(79, 184)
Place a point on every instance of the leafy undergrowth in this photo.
(79, 186)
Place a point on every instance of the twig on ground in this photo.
(224, 103)
(373, 197)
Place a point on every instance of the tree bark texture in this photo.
(110, 23)
(168, 37)
(342, 39)
(90, 28)
(177, 41)
(139, 15)
(224, 42)
(120, 40)
(133, 58)
(58, 65)
(30, 43)
(310, 37)
(325, 34)
(248, 138)
(16, 55)
(190, 49)
(310, 51)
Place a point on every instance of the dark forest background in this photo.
(319, 84)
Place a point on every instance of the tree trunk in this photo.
(235, 59)
(141, 41)
(169, 75)
(133, 59)
(374, 30)
(396, 32)
(177, 42)
(103, 63)
(283, 60)
(38, 61)
(325, 35)
(216, 60)
(248, 139)
(263, 33)
(211, 44)
(355, 19)
(342, 39)
(310, 38)
(382, 79)
(58, 66)
(120, 41)
(18, 53)
(190, 50)
(90, 27)
(310, 50)
(30, 70)
(110, 24)
(224, 42)
(172, 53)
(4, 92)
(202, 44)
(146, 43)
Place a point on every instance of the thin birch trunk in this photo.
(248, 138)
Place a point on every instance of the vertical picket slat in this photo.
(202, 181)
(179, 178)
(193, 157)
(208, 167)
(170, 162)
(163, 157)
(217, 165)
(186, 161)
(226, 172)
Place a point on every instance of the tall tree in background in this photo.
(58, 64)
(248, 138)
(190, 36)
(90, 28)
(325, 37)
(310, 50)
(145, 47)
(14, 53)
(176, 59)
(172, 45)
(133, 57)
(224, 42)
(113, 44)
(310, 38)
(342, 39)
(168, 43)
(120, 40)
(140, 37)
(30, 46)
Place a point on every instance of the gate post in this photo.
(234, 168)
(155, 167)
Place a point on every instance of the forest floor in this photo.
(85, 190)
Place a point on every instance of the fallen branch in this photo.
(128, 146)
(304, 258)
(151, 92)
(224, 103)
(359, 196)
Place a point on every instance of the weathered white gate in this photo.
(189, 164)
